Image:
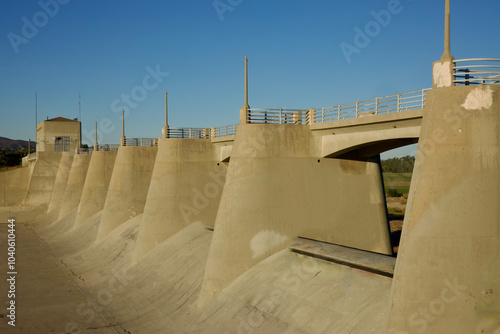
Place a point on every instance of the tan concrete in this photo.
(57, 197)
(43, 172)
(276, 191)
(96, 185)
(22, 213)
(448, 269)
(76, 181)
(128, 187)
(47, 132)
(186, 187)
(47, 298)
(13, 186)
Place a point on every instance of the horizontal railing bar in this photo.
(475, 59)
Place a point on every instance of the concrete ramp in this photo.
(152, 296)
(128, 188)
(96, 185)
(74, 187)
(57, 198)
(293, 293)
(186, 186)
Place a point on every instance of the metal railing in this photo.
(275, 116)
(188, 133)
(202, 133)
(477, 71)
(85, 150)
(108, 147)
(378, 106)
(141, 141)
(223, 131)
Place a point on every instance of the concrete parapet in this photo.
(13, 185)
(448, 267)
(276, 191)
(96, 185)
(61, 180)
(128, 187)
(43, 172)
(186, 186)
(76, 180)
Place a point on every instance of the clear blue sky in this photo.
(102, 49)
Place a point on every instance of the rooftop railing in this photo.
(477, 71)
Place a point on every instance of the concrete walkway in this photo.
(47, 300)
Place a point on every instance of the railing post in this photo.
(399, 103)
(338, 113)
(280, 116)
(357, 109)
(376, 106)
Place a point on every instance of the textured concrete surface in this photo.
(128, 188)
(43, 172)
(63, 172)
(96, 185)
(47, 298)
(275, 191)
(76, 181)
(13, 186)
(186, 186)
(448, 270)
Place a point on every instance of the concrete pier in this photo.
(96, 185)
(128, 187)
(448, 269)
(74, 187)
(186, 186)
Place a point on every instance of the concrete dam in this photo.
(276, 225)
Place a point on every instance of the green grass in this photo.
(398, 182)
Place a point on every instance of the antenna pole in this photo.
(80, 119)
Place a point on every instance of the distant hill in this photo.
(11, 145)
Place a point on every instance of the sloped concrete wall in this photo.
(276, 191)
(96, 185)
(128, 188)
(76, 180)
(42, 178)
(448, 268)
(186, 186)
(13, 186)
(62, 177)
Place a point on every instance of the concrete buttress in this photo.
(276, 190)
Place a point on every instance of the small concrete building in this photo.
(58, 135)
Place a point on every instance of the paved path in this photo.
(47, 300)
